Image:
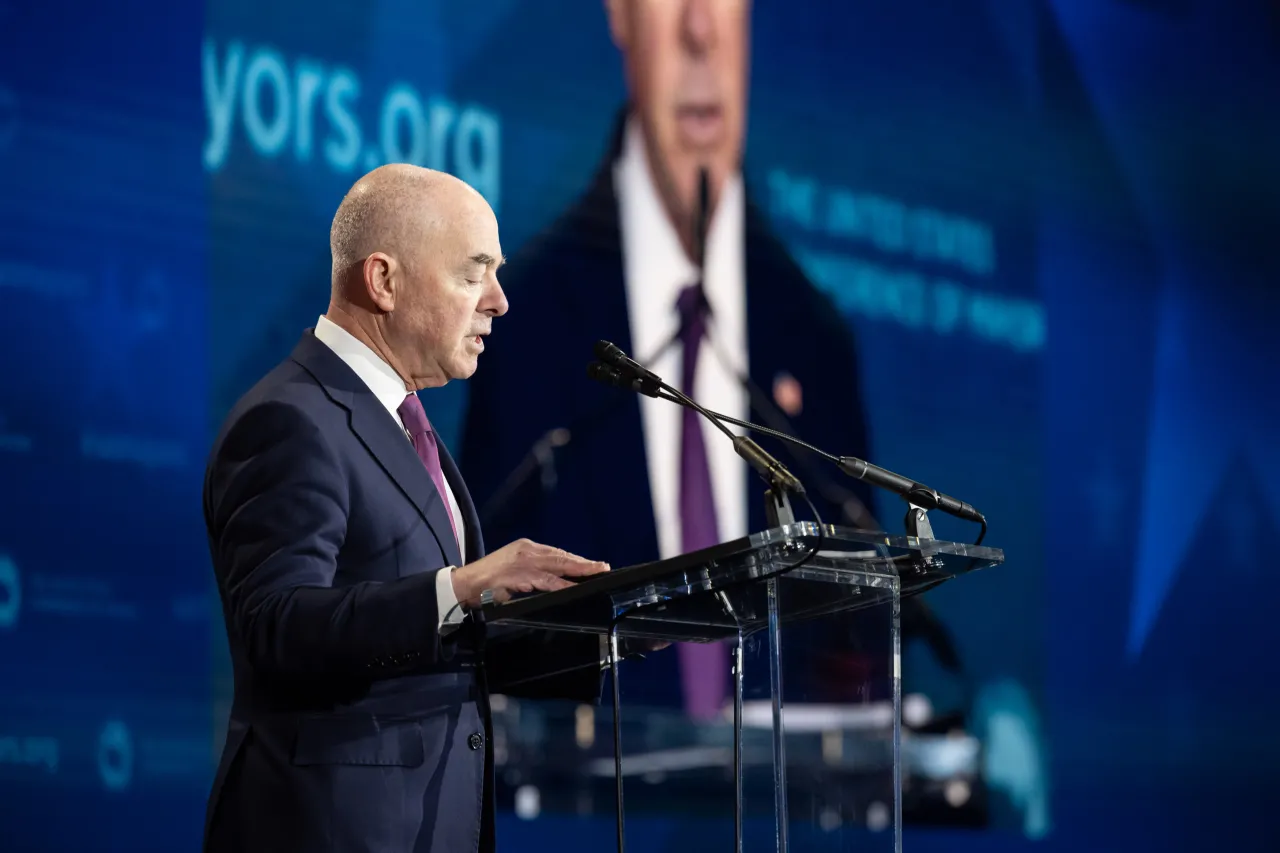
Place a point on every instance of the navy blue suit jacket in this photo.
(355, 726)
(567, 291)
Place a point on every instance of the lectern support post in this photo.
(779, 742)
(737, 741)
(614, 657)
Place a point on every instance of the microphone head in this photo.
(607, 352)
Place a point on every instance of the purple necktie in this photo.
(703, 666)
(424, 441)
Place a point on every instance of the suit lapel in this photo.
(382, 436)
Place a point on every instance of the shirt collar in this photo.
(381, 378)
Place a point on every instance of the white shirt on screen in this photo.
(389, 388)
(656, 269)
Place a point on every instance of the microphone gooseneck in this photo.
(620, 374)
(619, 370)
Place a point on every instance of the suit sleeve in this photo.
(277, 504)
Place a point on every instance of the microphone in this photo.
(702, 220)
(617, 369)
(913, 492)
(610, 355)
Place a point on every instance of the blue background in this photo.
(1101, 383)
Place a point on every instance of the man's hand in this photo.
(522, 566)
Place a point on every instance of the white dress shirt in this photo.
(656, 270)
(389, 388)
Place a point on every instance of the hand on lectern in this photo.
(521, 566)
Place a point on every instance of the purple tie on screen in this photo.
(424, 442)
(704, 670)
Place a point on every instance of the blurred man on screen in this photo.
(350, 560)
(736, 325)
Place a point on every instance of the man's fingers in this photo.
(589, 567)
(556, 561)
(550, 552)
(548, 582)
(569, 565)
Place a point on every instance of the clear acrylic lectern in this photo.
(796, 581)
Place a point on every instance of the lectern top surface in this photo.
(857, 567)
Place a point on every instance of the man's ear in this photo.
(381, 280)
(619, 24)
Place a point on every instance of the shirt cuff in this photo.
(450, 612)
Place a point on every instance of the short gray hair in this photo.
(382, 212)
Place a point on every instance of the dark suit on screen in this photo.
(593, 495)
(356, 726)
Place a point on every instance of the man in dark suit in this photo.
(637, 480)
(350, 560)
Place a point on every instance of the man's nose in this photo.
(494, 303)
(697, 26)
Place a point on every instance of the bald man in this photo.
(348, 554)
